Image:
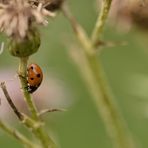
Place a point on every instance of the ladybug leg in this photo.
(21, 76)
(26, 88)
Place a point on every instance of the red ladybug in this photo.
(34, 77)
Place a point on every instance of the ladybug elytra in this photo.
(34, 77)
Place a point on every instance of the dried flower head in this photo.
(50, 5)
(16, 16)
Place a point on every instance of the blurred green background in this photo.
(81, 126)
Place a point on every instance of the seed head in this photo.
(16, 16)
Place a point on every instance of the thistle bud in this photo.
(26, 46)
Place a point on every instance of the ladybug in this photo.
(34, 77)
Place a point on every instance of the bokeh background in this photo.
(126, 69)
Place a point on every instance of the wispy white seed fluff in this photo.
(17, 15)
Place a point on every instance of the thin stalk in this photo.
(17, 135)
(113, 120)
(44, 111)
(26, 120)
(9, 100)
(39, 132)
(22, 75)
(101, 20)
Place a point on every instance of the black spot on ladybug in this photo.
(34, 77)
(38, 75)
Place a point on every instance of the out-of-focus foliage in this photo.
(80, 126)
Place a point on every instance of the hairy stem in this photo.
(39, 132)
(22, 71)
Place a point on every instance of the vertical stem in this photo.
(114, 122)
(39, 132)
(100, 23)
(92, 73)
(22, 75)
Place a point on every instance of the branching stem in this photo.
(39, 132)
(93, 74)
(17, 135)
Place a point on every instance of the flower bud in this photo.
(23, 47)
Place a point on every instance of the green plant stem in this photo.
(100, 23)
(39, 132)
(29, 122)
(22, 75)
(17, 135)
(115, 124)
(93, 74)
(78, 30)
(26, 120)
